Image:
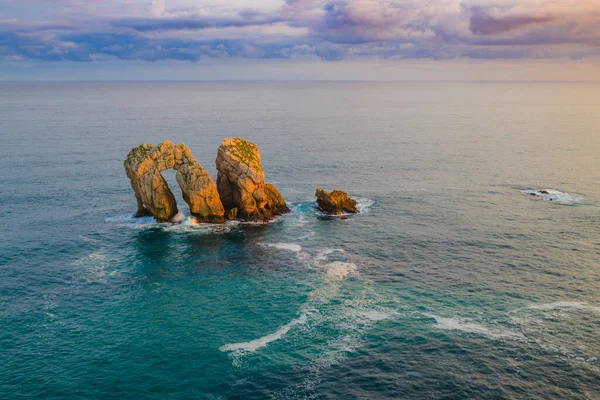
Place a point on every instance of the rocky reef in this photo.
(336, 202)
(240, 192)
(143, 166)
(241, 183)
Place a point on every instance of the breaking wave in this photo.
(184, 223)
(364, 204)
(555, 196)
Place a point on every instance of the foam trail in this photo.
(565, 304)
(261, 342)
(296, 248)
(375, 315)
(452, 324)
(322, 256)
(309, 234)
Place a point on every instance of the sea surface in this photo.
(459, 279)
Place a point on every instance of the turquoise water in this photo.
(454, 282)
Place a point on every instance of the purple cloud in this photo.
(334, 30)
(482, 24)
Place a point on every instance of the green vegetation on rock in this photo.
(245, 151)
(139, 153)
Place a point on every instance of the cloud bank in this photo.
(331, 30)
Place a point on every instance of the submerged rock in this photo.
(143, 166)
(241, 183)
(336, 202)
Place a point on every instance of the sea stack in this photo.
(336, 202)
(241, 183)
(143, 166)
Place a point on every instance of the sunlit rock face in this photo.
(336, 202)
(241, 183)
(143, 166)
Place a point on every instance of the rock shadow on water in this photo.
(163, 255)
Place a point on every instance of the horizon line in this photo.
(4, 81)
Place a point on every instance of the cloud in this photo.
(159, 7)
(330, 30)
(482, 24)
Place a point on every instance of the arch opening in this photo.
(169, 175)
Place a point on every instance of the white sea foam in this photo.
(306, 236)
(375, 315)
(565, 305)
(322, 255)
(339, 270)
(89, 239)
(253, 345)
(177, 218)
(465, 325)
(180, 223)
(343, 323)
(555, 196)
(94, 267)
(351, 325)
(364, 204)
(351, 317)
(296, 248)
(554, 327)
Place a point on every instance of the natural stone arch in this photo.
(143, 166)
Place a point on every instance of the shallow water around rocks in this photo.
(453, 281)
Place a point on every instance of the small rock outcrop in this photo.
(241, 183)
(154, 197)
(336, 202)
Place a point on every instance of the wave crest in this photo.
(555, 196)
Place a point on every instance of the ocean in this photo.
(458, 279)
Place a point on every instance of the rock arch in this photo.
(154, 197)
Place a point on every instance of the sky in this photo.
(300, 39)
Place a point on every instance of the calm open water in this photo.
(453, 283)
